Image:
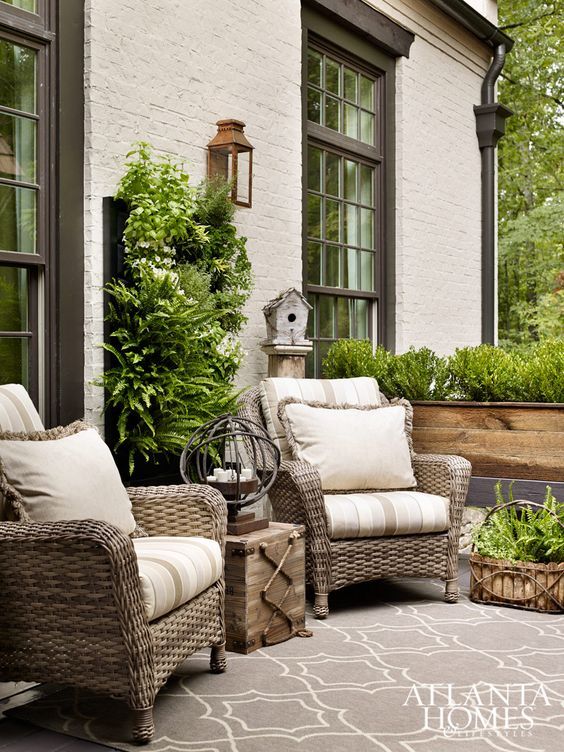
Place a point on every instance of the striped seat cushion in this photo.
(174, 570)
(358, 391)
(385, 513)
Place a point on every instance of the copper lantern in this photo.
(230, 156)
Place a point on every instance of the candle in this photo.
(246, 473)
(217, 471)
(220, 475)
(231, 475)
(211, 478)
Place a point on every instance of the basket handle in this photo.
(499, 507)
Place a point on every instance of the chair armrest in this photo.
(297, 496)
(67, 591)
(445, 475)
(180, 510)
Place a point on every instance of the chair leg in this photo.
(143, 726)
(218, 660)
(321, 606)
(452, 591)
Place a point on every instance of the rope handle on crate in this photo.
(277, 608)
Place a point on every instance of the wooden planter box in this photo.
(536, 587)
(501, 439)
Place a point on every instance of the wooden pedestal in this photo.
(250, 562)
(243, 524)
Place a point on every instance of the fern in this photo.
(524, 534)
(174, 316)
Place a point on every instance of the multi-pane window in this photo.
(340, 97)
(340, 221)
(343, 177)
(23, 198)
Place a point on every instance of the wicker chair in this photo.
(332, 564)
(71, 611)
(70, 604)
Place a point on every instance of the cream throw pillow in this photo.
(361, 390)
(69, 478)
(353, 448)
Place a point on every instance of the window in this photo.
(344, 165)
(348, 190)
(340, 97)
(24, 194)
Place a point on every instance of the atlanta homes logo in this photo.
(478, 710)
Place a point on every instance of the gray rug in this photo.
(393, 669)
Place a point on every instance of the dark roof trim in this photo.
(367, 22)
(485, 30)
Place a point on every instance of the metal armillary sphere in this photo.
(236, 456)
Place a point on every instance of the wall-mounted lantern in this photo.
(230, 156)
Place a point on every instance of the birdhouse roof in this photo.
(281, 297)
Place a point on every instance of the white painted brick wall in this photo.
(166, 71)
(438, 215)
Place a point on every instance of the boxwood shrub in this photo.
(483, 373)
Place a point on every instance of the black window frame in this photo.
(34, 31)
(341, 43)
(56, 275)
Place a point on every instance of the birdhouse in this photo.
(286, 319)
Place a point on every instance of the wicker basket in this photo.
(524, 584)
(521, 584)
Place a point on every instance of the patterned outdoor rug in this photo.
(393, 669)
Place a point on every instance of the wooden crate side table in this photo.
(263, 606)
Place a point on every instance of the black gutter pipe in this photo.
(488, 84)
(490, 127)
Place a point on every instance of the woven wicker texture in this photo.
(297, 497)
(71, 610)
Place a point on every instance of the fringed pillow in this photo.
(65, 473)
(353, 447)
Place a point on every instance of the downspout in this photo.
(488, 85)
(490, 127)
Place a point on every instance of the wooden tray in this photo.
(228, 489)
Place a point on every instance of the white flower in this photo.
(229, 346)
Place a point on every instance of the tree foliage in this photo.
(531, 207)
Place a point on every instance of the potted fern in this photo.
(517, 554)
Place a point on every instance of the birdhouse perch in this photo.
(286, 343)
(286, 319)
